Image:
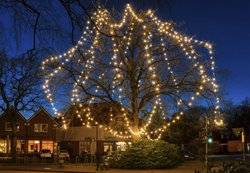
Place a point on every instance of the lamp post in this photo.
(96, 137)
(209, 139)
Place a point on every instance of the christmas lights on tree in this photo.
(137, 64)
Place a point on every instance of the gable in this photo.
(20, 117)
(42, 116)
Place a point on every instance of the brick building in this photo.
(37, 133)
(41, 131)
(78, 138)
(6, 132)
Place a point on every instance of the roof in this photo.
(99, 111)
(4, 113)
(46, 112)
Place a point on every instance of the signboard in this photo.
(243, 137)
(109, 138)
(90, 139)
(237, 131)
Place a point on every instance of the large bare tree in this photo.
(137, 62)
(19, 90)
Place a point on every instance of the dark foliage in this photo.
(228, 168)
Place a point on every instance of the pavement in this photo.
(186, 167)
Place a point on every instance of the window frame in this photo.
(40, 128)
(10, 129)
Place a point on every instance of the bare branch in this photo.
(33, 10)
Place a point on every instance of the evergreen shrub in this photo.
(147, 154)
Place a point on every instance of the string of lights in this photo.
(120, 45)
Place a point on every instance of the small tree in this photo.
(185, 131)
(238, 116)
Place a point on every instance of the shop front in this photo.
(5, 146)
(35, 146)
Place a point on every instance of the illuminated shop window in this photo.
(20, 146)
(33, 146)
(47, 145)
(3, 146)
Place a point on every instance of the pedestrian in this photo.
(98, 156)
(84, 155)
(106, 160)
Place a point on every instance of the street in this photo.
(5, 171)
(186, 167)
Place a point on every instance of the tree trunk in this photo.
(13, 121)
(14, 142)
(134, 105)
(135, 137)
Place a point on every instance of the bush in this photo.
(147, 154)
(229, 167)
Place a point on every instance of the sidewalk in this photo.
(186, 167)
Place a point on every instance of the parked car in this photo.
(64, 154)
(45, 153)
(187, 155)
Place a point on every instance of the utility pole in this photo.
(206, 142)
(237, 132)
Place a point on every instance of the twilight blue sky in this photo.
(225, 24)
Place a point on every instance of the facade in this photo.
(6, 131)
(78, 139)
(39, 132)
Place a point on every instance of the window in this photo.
(121, 146)
(47, 145)
(20, 146)
(33, 146)
(3, 146)
(8, 126)
(41, 128)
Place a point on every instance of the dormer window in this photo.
(40, 127)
